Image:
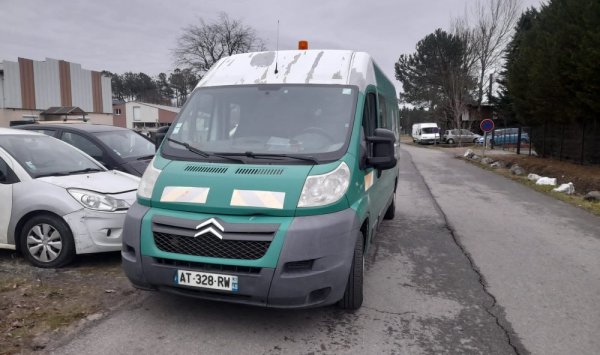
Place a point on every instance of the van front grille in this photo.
(211, 246)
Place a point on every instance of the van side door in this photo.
(374, 186)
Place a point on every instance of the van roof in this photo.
(341, 67)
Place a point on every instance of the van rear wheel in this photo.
(353, 296)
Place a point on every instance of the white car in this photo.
(56, 201)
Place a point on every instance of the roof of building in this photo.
(63, 110)
(160, 107)
(341, 67)
(86, 127)
(164, 107)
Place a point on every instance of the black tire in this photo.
(475, 140)
(353, 296)
(391, 211)
(450, 141)
(52, 224)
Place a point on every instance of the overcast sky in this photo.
(138, 35)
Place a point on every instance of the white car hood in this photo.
(106, 182)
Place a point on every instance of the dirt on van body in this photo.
(38, 307)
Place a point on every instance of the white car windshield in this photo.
(310, 121)
(46, 156)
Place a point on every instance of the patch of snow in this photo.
(568, 189)
(546, 181)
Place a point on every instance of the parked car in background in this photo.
(459, 135)
(504, 136)
(115, 147)
(57, 201)
(425, 133)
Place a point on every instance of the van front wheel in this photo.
(353, 297)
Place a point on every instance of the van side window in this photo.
(370, 114)
(7, 176)
(383, 118)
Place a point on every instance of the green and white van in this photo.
(269, 186)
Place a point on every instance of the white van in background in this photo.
(425, 133)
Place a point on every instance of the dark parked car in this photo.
(115, 147)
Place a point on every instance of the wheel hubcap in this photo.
(44, 242)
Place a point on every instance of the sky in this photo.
(139, 35)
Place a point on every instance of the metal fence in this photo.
(579, 143)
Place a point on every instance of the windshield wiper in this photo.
(274, 155)
(65, 173)
(203, 153)
(190, 148)
(146, 157)
(83, 171)
(52, 174)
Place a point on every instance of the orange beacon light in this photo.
(302, 45)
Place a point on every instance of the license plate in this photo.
(206, 280)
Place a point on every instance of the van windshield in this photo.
(308, 121)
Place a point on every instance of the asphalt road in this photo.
(472, 263)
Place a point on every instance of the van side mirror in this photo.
(383, 152)
(160, 136)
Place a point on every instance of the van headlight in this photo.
(97, 201)
(320, 190)
(148, 181)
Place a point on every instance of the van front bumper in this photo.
(312, 269)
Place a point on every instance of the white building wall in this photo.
(106, 94)
(147, 114)
(81, 88)
(46, 79)
(12, 85)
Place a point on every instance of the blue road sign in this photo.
(487, 125)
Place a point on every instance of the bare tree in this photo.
(462, 80)
(493, 23)
(202, 45)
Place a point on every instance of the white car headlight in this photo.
(148, 180)
(97, 201)
(320, 190)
